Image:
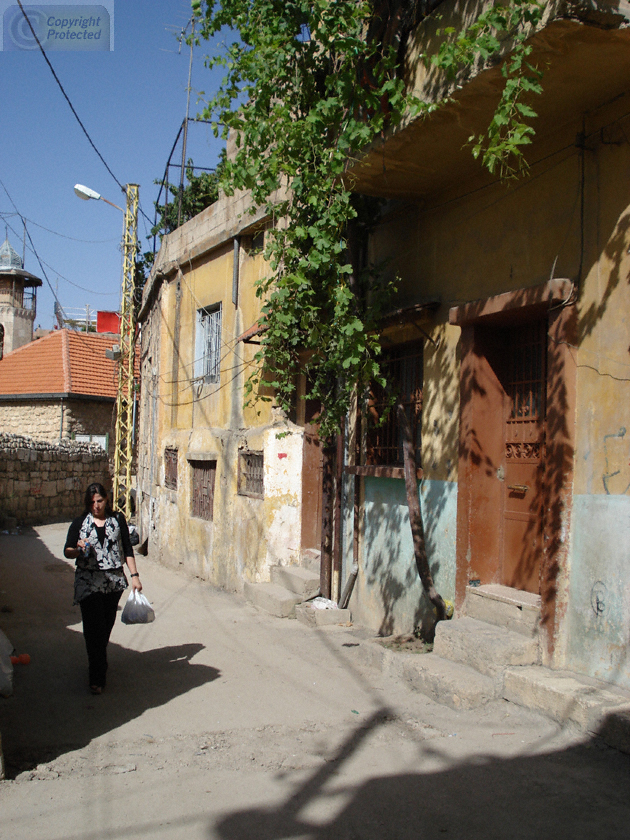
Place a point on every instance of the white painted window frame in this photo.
(208, 344)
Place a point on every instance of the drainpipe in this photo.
(235, 267)
(61, 420)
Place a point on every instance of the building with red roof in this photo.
(61, 386)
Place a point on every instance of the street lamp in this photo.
(123, 453)
(86, 194)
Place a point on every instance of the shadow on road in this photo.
(579, 792)
(51, 711)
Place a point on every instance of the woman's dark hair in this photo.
(93, 490)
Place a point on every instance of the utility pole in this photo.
(123, 454)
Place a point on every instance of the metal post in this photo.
(123, 454)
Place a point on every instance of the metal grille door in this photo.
(524, 456)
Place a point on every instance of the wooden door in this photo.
(524, 454)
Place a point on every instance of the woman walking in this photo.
(99, 541)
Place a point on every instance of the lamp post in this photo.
(123, 453)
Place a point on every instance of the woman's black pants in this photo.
(98, 612)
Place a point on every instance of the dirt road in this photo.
(223, 723)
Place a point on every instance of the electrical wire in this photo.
(42, 262)
(62, 235)
(194, 400)
(26, 230)
(67, 98)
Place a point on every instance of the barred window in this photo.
(170, 469)
(203, 478)
(402, 368)
(208, 344)
(251, 474)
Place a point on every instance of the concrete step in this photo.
(300, 581)
(595, 707)
(503, 606)
(272, 598)
(450, 683)
(310, 559)
(445, 682)
(321, 618)
(484, 647)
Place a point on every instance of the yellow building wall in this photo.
(208, 422)
(482, 239)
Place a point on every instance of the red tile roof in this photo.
(63, 362)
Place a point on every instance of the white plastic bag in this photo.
(137, 610)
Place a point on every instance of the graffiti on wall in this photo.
(599, 598)
(616, 479)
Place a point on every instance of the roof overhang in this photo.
(249, 335)
(55, 396)
(19, 273)
(556, 292)
(583, 63)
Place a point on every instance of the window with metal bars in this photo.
(203, 479)
(208, 344)
(170, 469)
(251, 474)
(402, 368)
(526, 382)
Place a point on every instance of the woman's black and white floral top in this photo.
(100, 567)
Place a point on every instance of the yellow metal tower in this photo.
(123, 454)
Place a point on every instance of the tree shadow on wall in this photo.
(390, 563)
(494, 355)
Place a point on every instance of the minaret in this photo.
(18, 298)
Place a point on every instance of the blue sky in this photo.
(132, 101)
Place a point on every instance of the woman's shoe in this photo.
(96, 689)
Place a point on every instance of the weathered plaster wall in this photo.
(475, 240)
(247, 535)
(388, 595)
(208, 421)
(599, 615)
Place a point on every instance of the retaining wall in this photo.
(42, 482)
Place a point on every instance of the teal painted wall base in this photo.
(599, 593)
(388, 595)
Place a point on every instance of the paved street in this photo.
(223, 723)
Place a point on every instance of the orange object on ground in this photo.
(22, 659)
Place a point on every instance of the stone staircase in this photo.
(493, 652)
(290, 585)
(471, 654)
(288, 596)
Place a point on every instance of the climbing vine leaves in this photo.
(308, 87)
(500, 147)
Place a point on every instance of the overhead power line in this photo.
(32, 243)
(62, 235)
(67, 98)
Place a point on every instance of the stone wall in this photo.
(42, 482)
(44, 419)
(40, 420)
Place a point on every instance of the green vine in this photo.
(309, 85)
(500, 147)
